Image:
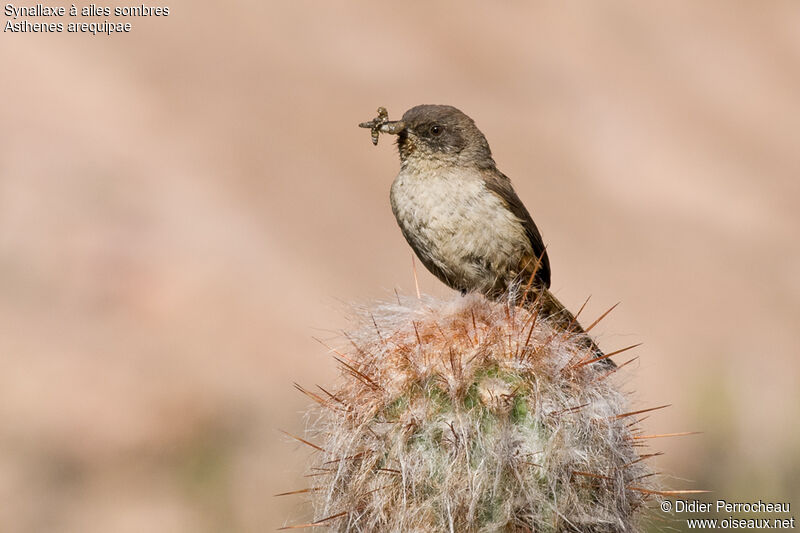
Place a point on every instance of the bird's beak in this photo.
(382, 124)
(394, 127)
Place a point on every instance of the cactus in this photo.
(470, 415)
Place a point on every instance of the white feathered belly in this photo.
(461, 228)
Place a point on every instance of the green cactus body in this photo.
(473, 416)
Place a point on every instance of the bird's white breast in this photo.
(454, 222)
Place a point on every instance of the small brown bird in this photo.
(461, 215)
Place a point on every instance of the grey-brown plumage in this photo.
(461, 215)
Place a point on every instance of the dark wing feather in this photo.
(498, 183)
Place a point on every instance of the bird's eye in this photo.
(436, 130)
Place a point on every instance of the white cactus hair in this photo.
(472, 415)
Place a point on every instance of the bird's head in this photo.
(438, 134)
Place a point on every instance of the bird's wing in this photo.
(498, 183)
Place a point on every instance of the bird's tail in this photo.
(550, 307)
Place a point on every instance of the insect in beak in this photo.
(382, 124)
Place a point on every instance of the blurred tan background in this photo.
(183, 208)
